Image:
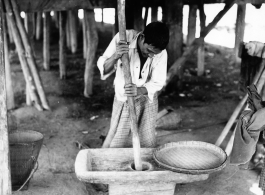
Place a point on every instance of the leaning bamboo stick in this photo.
(21, 54)
(30, 57)
(10, 34)
(73, 30)
(9, 89)
(5, 176)
(128, 80)
(240, 106)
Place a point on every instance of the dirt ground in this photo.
(205, 104)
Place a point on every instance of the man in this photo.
(148, 66)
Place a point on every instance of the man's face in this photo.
(147, 50)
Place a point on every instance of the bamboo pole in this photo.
(38, 25)
(30, 58)
(128, 80)
(46, 41)
(154, 13)
(62, 54)
(177, 65)
(73, 30)
(9, 88)
(240, 106)
(5, 176)
(92, 43)
(21, 55)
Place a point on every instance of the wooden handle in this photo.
(128, 80)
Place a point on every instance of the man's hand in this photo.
(130, 90)
(121, 48)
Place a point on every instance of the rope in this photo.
(32, 172)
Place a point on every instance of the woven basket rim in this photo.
(26, 131)
(191, 143)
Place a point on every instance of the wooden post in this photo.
(154, 13)
(73, 30)
(67, 31)
(84, 36)
(29, 28)
(192, 23)
(240, 28)
(92, 43)
(22, 57)
(178, 64)
(38, 25)
(46, 41)
(30, 57)
(5, 176)
(128, 80)
(174, 18)
(201, 53)
(62, 54)
(9, 88)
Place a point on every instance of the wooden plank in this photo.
(5, 177)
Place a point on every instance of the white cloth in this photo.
(153, 73)
(255, 48)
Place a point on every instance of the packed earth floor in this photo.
(204, 103)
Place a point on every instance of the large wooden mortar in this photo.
(114, 166)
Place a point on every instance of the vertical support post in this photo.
(67, 31)
(174, 16)
(201, 53)
(62, 54)
(92, 44)
(192, 24)
(46, 41)
(5, 176)
(154, 13)
(128, 80)
(29, 28)
(38, 25)
(9, 88)
(72, 22)
(240, 28)
(84, 36)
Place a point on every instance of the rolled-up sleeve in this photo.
(158, 76)
(111, 49)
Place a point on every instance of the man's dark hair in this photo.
(156, 34)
